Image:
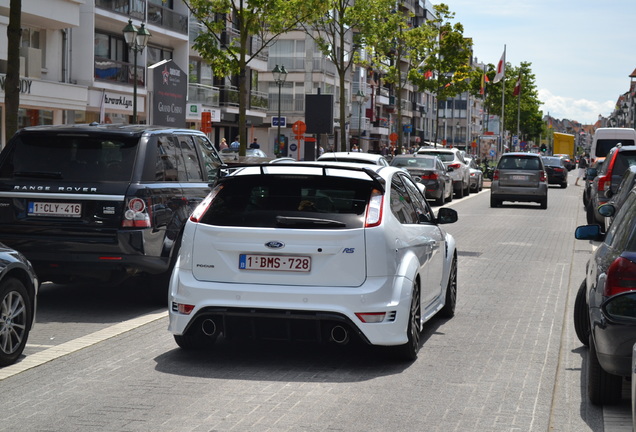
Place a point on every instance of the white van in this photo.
(606, 138)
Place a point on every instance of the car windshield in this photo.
(519, 162)
(290, 201)
(72, 157)
(414, 162)
(552, 161)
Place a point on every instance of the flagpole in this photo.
(503, 98)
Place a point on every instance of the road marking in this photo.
(75, 345)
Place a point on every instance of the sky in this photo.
(581, 52)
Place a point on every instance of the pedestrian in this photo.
(223, 144)
(583, 164)
(235, 144)
(254, 144)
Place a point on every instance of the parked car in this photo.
(476, 175)
(605, 305)
(624, 188)
(102, 202)
(556, 169)
(433, 173)
(357, 157)
(288, 251)
(453, 158)
(230, 156)
(607, 180)
(18, 299)
(590, 174)
(519, 177)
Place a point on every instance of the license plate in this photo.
(275, 263)
(54, 209)
(519, 177)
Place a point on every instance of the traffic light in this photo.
(544, 148)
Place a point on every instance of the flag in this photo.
(517, 90)
(428, 74)
(501, 68)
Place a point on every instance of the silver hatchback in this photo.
(519, 177)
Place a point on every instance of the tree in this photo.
(338, 34)
(264, 20)
(12, 81)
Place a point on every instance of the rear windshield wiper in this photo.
(38, 174)
(304, 222)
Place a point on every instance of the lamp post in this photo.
(280, 75)
(360, 97)
(136, 39)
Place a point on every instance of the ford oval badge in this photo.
(274, 244)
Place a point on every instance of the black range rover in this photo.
(102, 202)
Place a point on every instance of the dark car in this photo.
(556, 169)
(602, 310)
(607, 180)
(102, 202)
(18, 298)
(590, 174)
(432, 172)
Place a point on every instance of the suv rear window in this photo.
(519, 162)
(71, 157)
(444, 156)
(289, 201)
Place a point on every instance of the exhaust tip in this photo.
(339, 335)
(208, 327)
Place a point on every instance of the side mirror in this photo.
(607, 210)
(621, 308)
(446, 216)
(589, 232)
(591, 173)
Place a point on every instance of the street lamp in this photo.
(136, 39)
(280, 75)
(360, 97)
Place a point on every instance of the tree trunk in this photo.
(12, 83)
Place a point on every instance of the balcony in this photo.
(167, 18)
(118, 72)
(258, 101)
(204, 94)
(229, 96)
(131, 8)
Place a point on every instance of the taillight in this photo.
(431, 176)
(374, 209)
(200, 210)
(603, 182)
(136, 214)
(542, 176)
(495, 175)
(621, 276)
(558, 170)
(455, 166)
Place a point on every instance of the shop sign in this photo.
(25, 84)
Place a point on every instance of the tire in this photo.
(467, 189)
(564, 185)
(543, 204)
(494, 202)
(194, 340)
(589, 214)
(602, 388)
(581, 316)
(459, 192)
(442, 198)
(450, 195)
(448, 311)
(15, 320)
(408, 351)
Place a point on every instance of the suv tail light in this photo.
(202, 208)
(137, 214)
(603, 181)
(495, 175)
(621, 276)
(455, 166)
(543, 176)
(374, 209)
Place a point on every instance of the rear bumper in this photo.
(525, 194)
(227, 301)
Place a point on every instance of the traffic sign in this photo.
(299, 127)
(393, 137)
(279, 121)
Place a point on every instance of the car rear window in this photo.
(519, 162)
(603, 146)
(624, 160)
(289, 201)
(444, 156)
(414, 162)
(71, 157)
